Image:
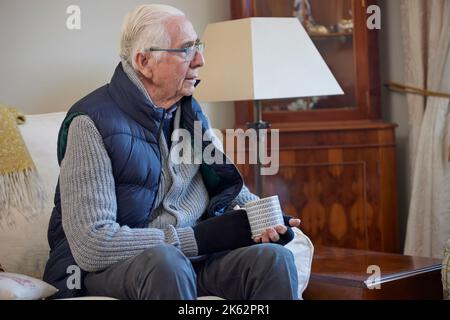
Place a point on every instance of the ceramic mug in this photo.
(264, 213)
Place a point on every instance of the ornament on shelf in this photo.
(303, 104)
(345, 26)
(302, 10)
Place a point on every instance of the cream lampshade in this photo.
(258, 59)
(262, 58)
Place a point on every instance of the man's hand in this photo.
(273, 234)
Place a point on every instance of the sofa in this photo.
(23, 240)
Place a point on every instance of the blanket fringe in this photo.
(24, 191)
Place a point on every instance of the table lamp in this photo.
(260, 59)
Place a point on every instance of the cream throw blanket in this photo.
(20, 186)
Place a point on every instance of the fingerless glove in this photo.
(289, 235)
(229, 231)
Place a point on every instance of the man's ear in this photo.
(144, 64)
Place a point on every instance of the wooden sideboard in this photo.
(340, 180)
(348, 274)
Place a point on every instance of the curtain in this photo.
(426, 29)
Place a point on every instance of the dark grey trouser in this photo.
(259, 272)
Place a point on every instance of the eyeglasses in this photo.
(189, 52)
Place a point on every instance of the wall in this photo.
(394, 104)
(45, 67)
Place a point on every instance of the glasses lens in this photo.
(200, 46)
(192, 51)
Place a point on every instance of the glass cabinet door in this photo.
(339, 31)
(330, 26)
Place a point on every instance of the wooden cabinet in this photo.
(339, 178)
(337, 157)
(347, 274)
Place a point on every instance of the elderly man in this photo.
(137, 224)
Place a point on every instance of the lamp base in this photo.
(258, 125)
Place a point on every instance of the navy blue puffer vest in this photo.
(130, 128)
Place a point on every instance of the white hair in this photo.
(144, 27)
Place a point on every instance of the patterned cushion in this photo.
(20, 287)
(446, 272)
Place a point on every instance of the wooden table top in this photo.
(350, 267)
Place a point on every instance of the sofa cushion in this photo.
(23, 244)
(303, 251)
(20, 287)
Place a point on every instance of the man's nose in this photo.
(198, 61)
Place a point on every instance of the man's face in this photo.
(172, 75)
